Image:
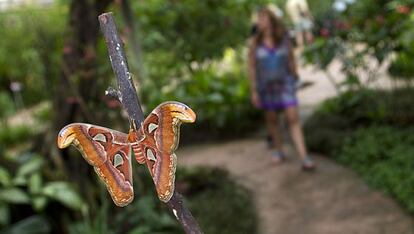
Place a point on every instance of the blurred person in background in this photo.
(299, 13)
(273, 77)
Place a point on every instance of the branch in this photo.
(126, 90)
(126, 94)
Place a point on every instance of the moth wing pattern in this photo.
(161, 131)
(108, 151)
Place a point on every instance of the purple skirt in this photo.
(277, 94)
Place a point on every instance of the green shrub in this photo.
(211, 195)
(26, 191)
(371, 132)
(386, 34)
(384, 157)
(326, 132)
(10, 136)
(7, 106)
(43, 113)
(219, 96)
(401, 68)
(30, 49)
(194, 30)
(191, 56)
(218, 203)
(339, 117)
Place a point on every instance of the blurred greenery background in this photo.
(54, 69)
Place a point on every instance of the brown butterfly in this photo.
(154, 143)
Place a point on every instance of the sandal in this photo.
(278, 157)
(308, 164)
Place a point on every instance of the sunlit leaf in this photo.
(35, 183)
(5, 179)
(29, 167)
(4, 214)
(19, 181)
(14, 195)
(39, 202)
(63, 193)
(32, 225)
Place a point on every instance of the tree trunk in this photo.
(78, 84)
(78, 90)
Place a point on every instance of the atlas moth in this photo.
(153, 144)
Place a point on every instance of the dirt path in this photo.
(331, 200)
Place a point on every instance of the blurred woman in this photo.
(273, 75)
(300, 14)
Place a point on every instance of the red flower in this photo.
(324, 32)
(403, 9)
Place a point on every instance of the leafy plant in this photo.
(184, 58)
(192, 30)
(384, 156)
(30, 49)
(339, 117)
(219, 95)
(362, 38)
(369, 131)
(26, 186)
(215, 198)
(12, 135)
(202, 187)
(7, 105)
(35, 224)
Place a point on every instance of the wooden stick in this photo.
(127, 95)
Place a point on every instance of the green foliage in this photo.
(192, 54)
(338, 117)
(326, 132)
(218, 92)
(194, 30)
(203, 188)
(371, 132)
(7, 106)
(368, 30)
(30, 49)
(62, 192)
(12, 135)
(384, 156)
(366, 107)
(43, 112)
(219, 204)
(35, 224)
(154, 218)
(22, 183)
(401, 67)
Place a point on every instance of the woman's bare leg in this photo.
(309, 37)
(299, 39)
(272, 122)
(295, 128)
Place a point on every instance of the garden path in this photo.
(331, 200)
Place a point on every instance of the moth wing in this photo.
(162, 130)
(108, 151)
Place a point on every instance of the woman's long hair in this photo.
(277, 27)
